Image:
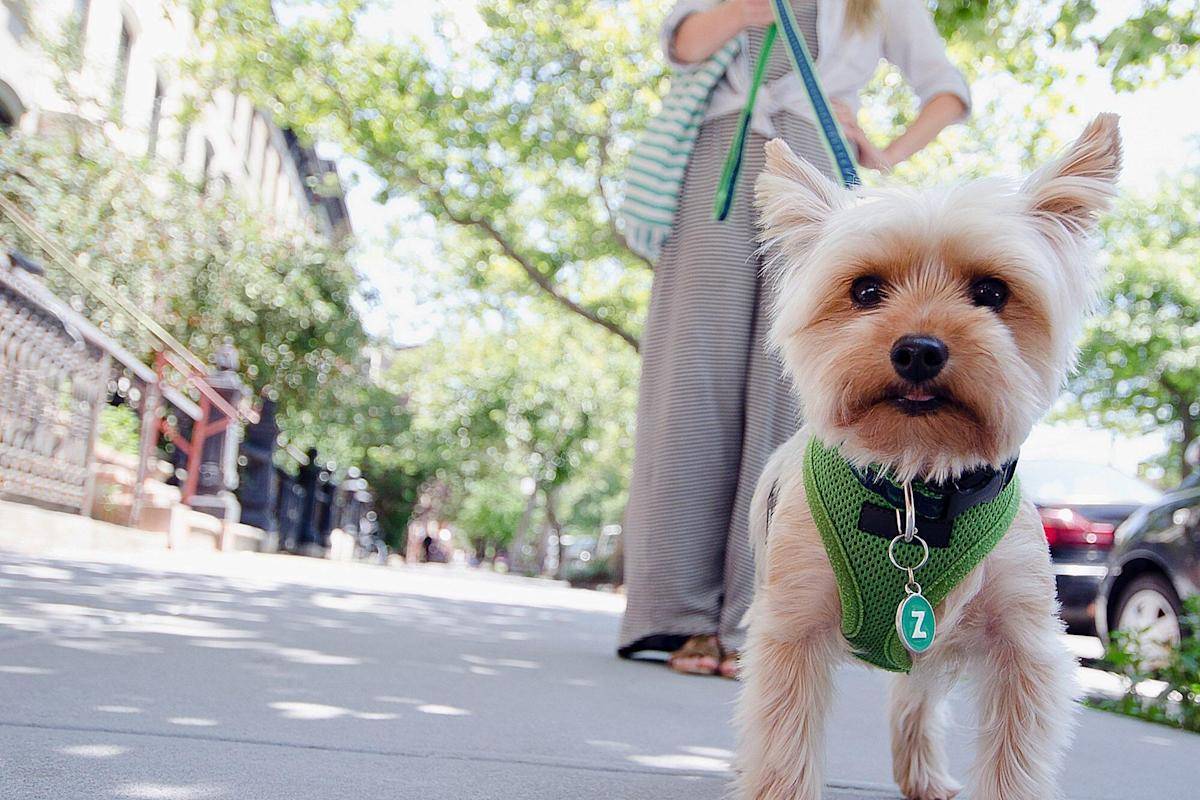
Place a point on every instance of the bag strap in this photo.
(831, 133)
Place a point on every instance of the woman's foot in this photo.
(730, 665)
(699, 655)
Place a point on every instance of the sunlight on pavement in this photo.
(609, 745)
(312, 657)
(8, 669)
(443, 711)
(347, 602)
(319, 711)
(709, 752)
(1099, 682)
(38, 571)
(94, 750)
(165, 791)
(515, 663)
(691, 763)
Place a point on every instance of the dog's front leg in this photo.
(1026, 688)
(787, 688)
(917, 712)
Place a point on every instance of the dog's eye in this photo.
(867, 292)
(990, 293)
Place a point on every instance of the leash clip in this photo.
(909, 529)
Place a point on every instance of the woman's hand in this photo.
(755, 13)
(869, 155)
(703, 33)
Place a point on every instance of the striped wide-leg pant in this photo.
(713, 405)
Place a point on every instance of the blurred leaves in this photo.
(1178, 703)
(514, 139)
(1140, 361)
(531, 406)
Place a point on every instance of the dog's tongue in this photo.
(918, 396)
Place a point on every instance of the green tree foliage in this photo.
(1178, 703)
(1140, 363)
(511, 138)
(519, 137)
(511, 407)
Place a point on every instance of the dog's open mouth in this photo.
(916, 402)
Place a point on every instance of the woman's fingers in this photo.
(843, 113)
(872, 157)
(756, 13)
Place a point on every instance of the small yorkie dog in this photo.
(925, 332)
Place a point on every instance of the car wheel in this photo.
(1149, 609)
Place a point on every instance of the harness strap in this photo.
(831, 133)
(943, 501)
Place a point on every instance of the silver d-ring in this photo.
(892, 552)
(910, 512)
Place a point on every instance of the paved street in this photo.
(196, 676)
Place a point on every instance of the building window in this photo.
(124, 50)
(185, 133)
(83, 10)
(11, 108)
(271, 190)
(155, 119)
(209, 155)
(248, 137)
(18, 19)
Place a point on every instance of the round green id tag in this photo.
(915, 623)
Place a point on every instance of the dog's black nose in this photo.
(919, 358)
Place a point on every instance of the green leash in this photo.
(726, 189)
(832, 137)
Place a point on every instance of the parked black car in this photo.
(1081, 505)
(1155, 563)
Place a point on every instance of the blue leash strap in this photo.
(835, 143)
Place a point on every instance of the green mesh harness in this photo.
(871, 588)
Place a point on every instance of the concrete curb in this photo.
(35, 531)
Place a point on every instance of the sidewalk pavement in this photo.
(187, 676)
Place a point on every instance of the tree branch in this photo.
(536, 275)
(530, 269)
(602, 148)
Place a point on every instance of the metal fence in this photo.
(52, 385)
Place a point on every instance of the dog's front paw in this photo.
(935, 787)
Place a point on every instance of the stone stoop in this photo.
(32, 529)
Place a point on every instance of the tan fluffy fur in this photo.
(1004, 370)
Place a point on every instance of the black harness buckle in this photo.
(938, 505)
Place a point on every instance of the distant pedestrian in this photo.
(713, 404)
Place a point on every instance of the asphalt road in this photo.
(195, 676)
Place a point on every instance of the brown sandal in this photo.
(699, 655)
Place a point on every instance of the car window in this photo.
(1080, 483)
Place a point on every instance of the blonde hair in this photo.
(860, 14)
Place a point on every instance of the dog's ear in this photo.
(793, 199)
(1076, 187)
